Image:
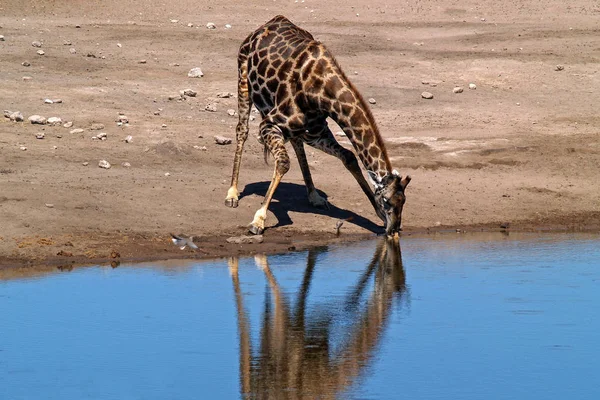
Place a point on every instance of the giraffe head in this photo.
(390, 198)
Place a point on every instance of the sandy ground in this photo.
(522, 148)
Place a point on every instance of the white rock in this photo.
(174, 21)
(190, 25)
(227, 26)
(26, 64)
(210, 25)
(77, 130)
(427, 95)
(372, 101)
(49, 205)
(472, 86)
(16, 116)
(72, 50)
(119, 45)
(40, 52)
(123, 119)
(224, 95)
(85, 163)
(68, 124)
(231, 112)
(48, 101)
(163, 126)
(126, 164)
(167, 174)
(57, 101)
(104, 164)
(27, 78)
(23, 148)
(2, 38)
(67, 43)
(252, 118)
(175, 97)
(37, 119)
(36, 43)
(54, 121)
(102, 136)
(40, 135)
(195, 73)
(96, 127)
(457, 89)
(222, 140)
(211, 107)
(129, 139)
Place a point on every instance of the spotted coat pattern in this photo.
(296, 84)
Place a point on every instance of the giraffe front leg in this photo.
(314, 198)
(273, 139)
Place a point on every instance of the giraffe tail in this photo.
(266, 154)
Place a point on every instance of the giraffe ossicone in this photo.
(296, 84)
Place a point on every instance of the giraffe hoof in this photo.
(233, 203)
(255, 230)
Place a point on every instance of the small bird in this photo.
(338, 226)
(182, 241)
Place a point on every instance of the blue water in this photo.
(450, 317)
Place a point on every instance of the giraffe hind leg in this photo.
(314, 198)
(244, 105)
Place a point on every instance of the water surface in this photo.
(469, 317)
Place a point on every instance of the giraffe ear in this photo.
(375, 179)
(404, 182)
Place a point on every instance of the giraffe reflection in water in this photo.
(296, 359)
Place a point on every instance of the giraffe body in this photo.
(296, 84)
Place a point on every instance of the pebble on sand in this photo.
(210, 25)
(222, 140)
(427, 95)
(195, 73)
(77, 130)
(37, 119)
(372, 101)
(211, 107)
(457, 89)
(36, 43)
(472, 86)
(104, 164)
(54, 121)
(40, 135)
(40, 52)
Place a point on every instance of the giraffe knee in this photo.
(283, 165)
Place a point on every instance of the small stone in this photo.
(123, 119)
(163, 126)
(559, 67)
(54, 121)
(222, 140)
(49, 205)
(174, 21)
(57, 101)
(167, 174)
(243, 239)
(472, 86)
(119, 45)
(224, 95)
(189, 92)
(227, 26)
(77, 130)
(129, 139)
(27, 78)
(40, 135)
(252, 118)
(104, 164)
(68, 124)
(231, 112)
(505, 225)
(457, 89)
(211, 107)
(210, 25)
(96, 127)
(16, 116)
(203, 148)
(59, 136)
(102, 136)
(36, 43)
(156, 113)
(427, 95)
(40, 52)
(37, 119)
(67, 43)
(72, 50)
(91, 55)
(190, 25)
(48, 101)
(142, 62)
(195, 73)
(126, 165)
(2, 38)
(77, 26)
(175, 97)
(372, 101)
(85, 163)
(55, 147)
(26, 64)
(23, 148)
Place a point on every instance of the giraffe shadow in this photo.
(292, 197)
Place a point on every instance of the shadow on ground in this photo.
(292, 197)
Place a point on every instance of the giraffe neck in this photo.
(359, 126)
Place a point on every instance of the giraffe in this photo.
(296, 84)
